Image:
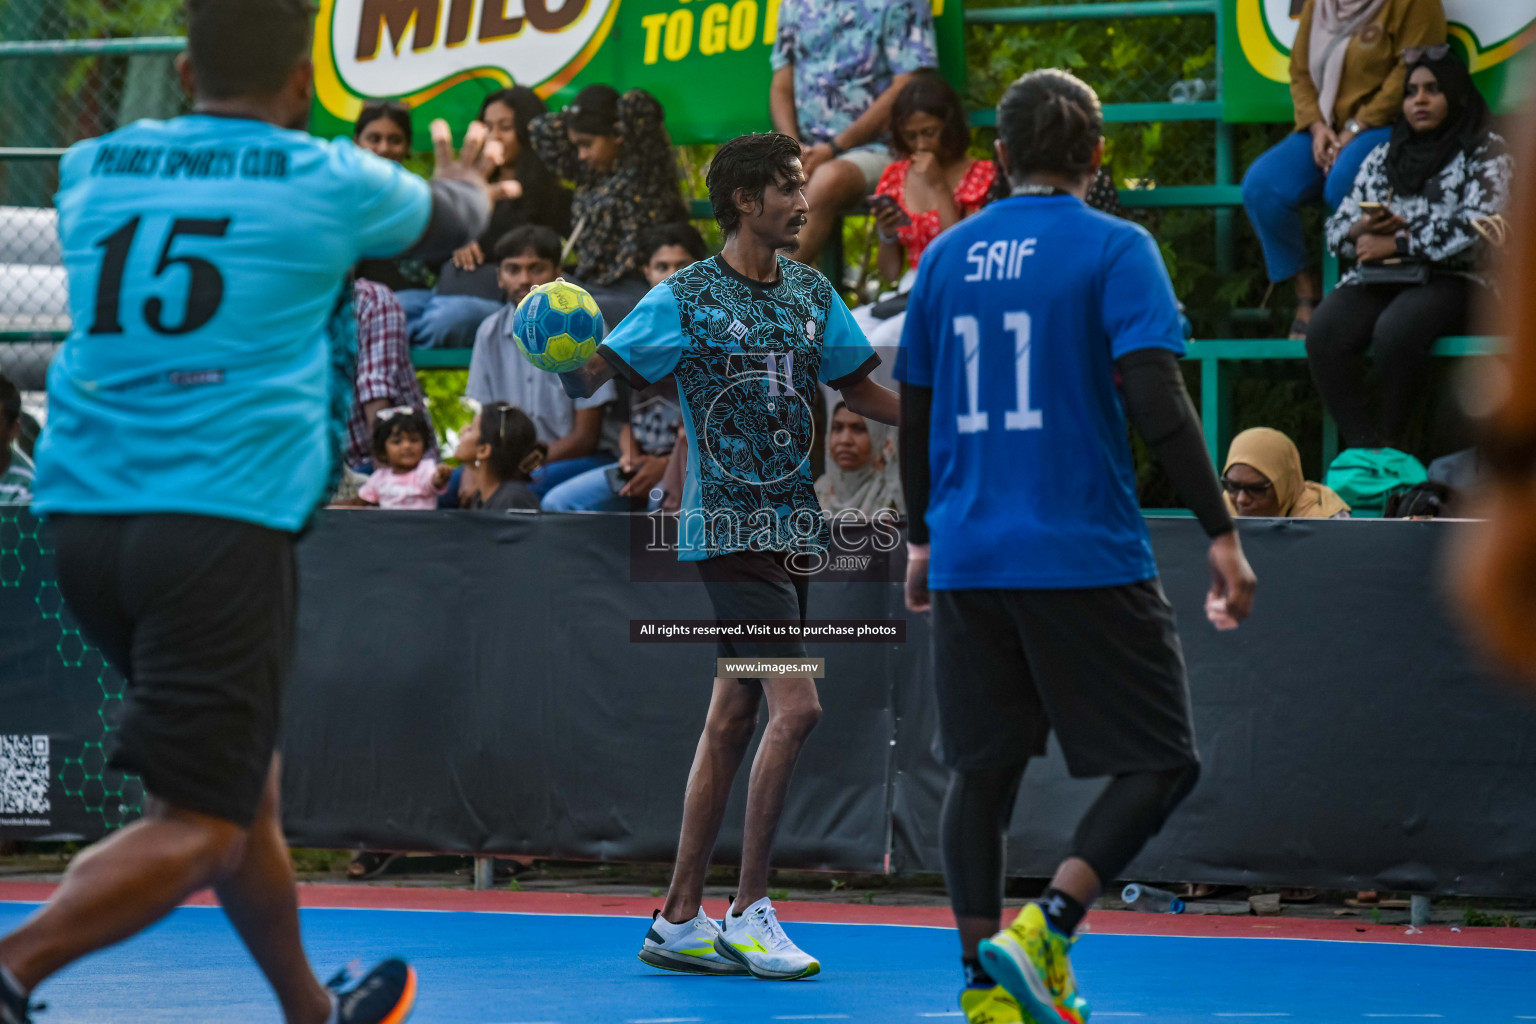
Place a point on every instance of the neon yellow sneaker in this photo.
(1032, 961)
(991, 1006)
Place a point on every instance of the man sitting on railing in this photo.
(837, 69)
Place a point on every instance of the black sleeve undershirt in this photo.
(1158, 406)
(916, 414)
(460, 212)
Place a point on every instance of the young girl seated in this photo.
(499, 452)
(405, 478)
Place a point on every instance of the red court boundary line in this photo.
(1106, 922)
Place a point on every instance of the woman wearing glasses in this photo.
(1423, 219)
(1347, 88)
(1263, 478)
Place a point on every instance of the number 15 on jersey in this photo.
(1022, 416)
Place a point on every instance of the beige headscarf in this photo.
(1334, 23)
(870, 488)
(1275, 455)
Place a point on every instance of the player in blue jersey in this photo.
(1035, 328)
(750, 336)
(195, 414)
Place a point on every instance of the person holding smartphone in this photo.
(1423, 223)
(934, 184)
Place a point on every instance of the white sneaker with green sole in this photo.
(756, 941)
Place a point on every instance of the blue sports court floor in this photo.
(534, 968)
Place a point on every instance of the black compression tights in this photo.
(979, 804)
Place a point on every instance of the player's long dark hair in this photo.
(750, 163)
(927, 93)
(1050, 121)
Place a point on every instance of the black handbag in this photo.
(1398, 270)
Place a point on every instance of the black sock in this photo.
(976, 976)
(1062, 911)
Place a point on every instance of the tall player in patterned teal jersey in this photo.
(190, 435)
(750, 335)
(1034, 330)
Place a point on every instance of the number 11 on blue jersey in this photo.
(1022, 416)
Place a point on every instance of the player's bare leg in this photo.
(728, 730)
(122, 885)
(261, 900)
(793, 711)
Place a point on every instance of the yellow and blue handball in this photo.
(557, 326)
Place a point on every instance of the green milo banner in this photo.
(1493, 35)
(705, 60)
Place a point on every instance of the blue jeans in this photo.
(443, 321)
(589, 492)
(1284, 180)
(546, 478)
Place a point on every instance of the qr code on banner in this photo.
(24, 775)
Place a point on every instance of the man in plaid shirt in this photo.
(384, 375)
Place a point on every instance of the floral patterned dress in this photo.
(610, 210)
(970, 195)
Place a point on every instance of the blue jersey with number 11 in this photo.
(205, 257)
(1015, 322)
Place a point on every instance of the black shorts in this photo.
(1102, 666)
(198, 615)
(754, 585)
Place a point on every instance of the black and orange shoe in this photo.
(385, 995)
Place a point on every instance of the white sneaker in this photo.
(688, 947)
(757, 941)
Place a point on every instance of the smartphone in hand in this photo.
(880, 202)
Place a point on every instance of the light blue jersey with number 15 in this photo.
(205, 258)
(1015, 322)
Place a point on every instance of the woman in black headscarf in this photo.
(1422, 220)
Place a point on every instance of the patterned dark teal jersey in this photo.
(748, 359)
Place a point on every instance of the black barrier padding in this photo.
(1349, 739)
(464, 682)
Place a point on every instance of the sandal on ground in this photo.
(1297, 894)
(1196, 891)
(368, 864)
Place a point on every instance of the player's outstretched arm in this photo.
(584, 381)
(461, 194)
(1159, 407)
(868, 398)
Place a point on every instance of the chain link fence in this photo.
(69, 70)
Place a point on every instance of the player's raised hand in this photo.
(1232, 580)
(478, 159)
